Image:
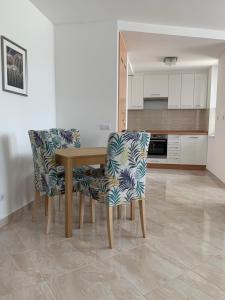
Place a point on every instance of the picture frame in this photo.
(14, 67)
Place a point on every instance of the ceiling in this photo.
(146, 51)
(190, 13)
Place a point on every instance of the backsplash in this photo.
(168, 119)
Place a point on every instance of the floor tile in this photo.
(97, 281)
(188, 286)
(144, 268)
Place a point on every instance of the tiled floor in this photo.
(183, 256)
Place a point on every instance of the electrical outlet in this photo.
(2, 197)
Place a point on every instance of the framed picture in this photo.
(14, 67)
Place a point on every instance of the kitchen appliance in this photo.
(158, 146)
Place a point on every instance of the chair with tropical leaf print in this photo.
(125, 172)
(66, 138)
(49, 180)
(36, 143)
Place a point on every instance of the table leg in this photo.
(68, 198)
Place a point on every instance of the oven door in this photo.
(158, 148)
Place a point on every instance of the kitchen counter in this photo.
(179, 132)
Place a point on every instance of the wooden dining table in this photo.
(71, 158)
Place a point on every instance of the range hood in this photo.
(155, 103)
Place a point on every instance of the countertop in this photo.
(178, 132)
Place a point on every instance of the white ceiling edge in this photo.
(171, 30)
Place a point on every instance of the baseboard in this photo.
(216, 179)
(176, 166)
(14, 214)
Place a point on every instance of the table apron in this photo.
(88, 160)
(81, 161)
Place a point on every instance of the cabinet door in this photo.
(200, 91)
(187, 90)
(174, 98)
(129, 92)
(156, 86)
(137, 92)
(194, 149)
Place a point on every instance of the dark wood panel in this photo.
(176, 166)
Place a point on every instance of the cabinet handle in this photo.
(199, 105)
(155, 94)
(193, 137)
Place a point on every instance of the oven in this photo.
(158, 146)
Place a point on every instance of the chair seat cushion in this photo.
(98, 187)
(76, 171)
(56, 185)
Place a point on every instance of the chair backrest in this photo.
(65, 138)
(43, 144)
(126, 166)
(36, 141)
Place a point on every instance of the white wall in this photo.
(21, 22)
(216, 144)
(86, 79)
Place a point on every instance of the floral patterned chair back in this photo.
(125, 170)
(36, 141)
(65, 138)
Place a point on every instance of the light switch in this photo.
(105, 127)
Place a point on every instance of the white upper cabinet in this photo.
(174, 98)
(200, 91)
(187, 90)
(135, 92)
(129, 91)
(156, 86)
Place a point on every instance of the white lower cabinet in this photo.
(194, 149)
(185, 149)
(173, 149)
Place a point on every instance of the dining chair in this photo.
(36, 142)
(66, 138)
(125, 172)
(49, 179)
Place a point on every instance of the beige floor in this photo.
(183, 256)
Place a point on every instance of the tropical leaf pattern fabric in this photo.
(49, 177)
(125, 170)
(66, 138)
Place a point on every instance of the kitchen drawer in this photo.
(172, 147)
(172, 137)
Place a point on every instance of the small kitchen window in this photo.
(213, 99)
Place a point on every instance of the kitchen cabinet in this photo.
(156, 86)
(173, 149)
(129, 87)
(200, 90)
(135, 92)
(187, 90)
(174, 95)
(122, 84)
(194, 149)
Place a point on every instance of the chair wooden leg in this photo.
(142, 216)
(46, 205)
(119, 209)
(132, 210)
(35, 205)
(50, 213)
(81, 211)
(109, 210)
(53, 211)
(60, 199)
(92, 210)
